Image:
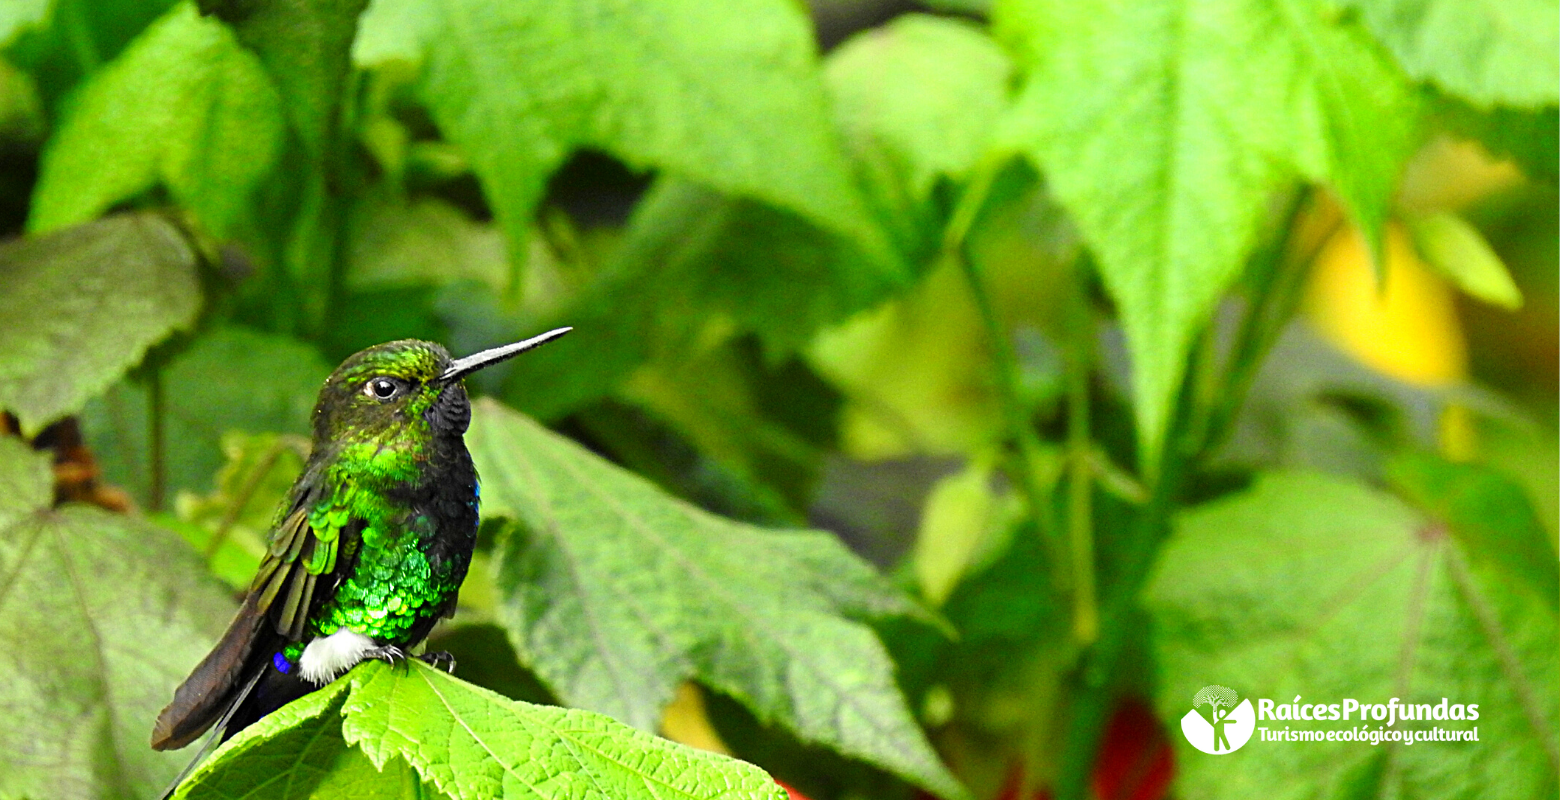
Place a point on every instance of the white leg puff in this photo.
(328, 656)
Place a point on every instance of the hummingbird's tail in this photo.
(263, 692)
(235, 685)
(212, 690)
(218, 735)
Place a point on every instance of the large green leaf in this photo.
(693, 258)
(1487, 512)
(306, 46)
(229, 379)
(185, 107)
(1164, 127)
(298, 752)
(919, 96)
(725, 94)
(434, 735)
(915, 101)
(81, 306)
(100, 616)
(1531, 138)
(1486, 51)
(20, 15)
(1323, 588)
(615, 593)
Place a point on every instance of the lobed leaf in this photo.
(725, 94)
(100, 616)
(1488, 52)
(915, 102)
(81, 306)
(615, 593)
(473, 743)
(306, 47)
(1164, 127)
(183, 106)
(18, 16)
(298, 752)
(919, 96)
(414, 732)
(1323, 588)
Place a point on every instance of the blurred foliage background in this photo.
(1128, 347)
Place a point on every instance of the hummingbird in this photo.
(367, 550)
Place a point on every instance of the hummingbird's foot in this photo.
(390, 654)
(440, 660)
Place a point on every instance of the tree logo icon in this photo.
(1219, 722)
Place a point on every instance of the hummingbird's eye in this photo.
(382, 388)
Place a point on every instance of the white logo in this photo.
(1225, 727)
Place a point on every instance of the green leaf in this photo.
(21, 112)
(81, 306)
(916, 102)
(306, 47)
(724, 94)
(425, 242)
(405, 729)
(485, 745)
(1487, 51)
(1458, 251)
(100, 617)
(918, 98)
(1531, 138)
(693, 260)
(229, 379)
(1321, 587)
(1488, 513)
(1164, 127)
(183, 106)
(19, 15)
(615, 593)
(298, 752)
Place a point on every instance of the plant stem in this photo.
(1080, 466)
(1005, 360)
(262, 468)
(1279, 276)
(155, 410)
(1094, 689)
(1211, 394)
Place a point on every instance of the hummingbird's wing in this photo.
(310, 551)
(304, 553)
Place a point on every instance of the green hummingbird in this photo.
(368, 549)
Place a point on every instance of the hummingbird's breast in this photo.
(412, 555)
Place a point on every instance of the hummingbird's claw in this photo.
(390, 654)
(440, 660)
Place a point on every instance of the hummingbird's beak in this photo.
(461, 367)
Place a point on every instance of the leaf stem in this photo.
(1211, 395)
(1005, 360)
(155, 409)
(1279, 275)
(1080, 457)
(1095, 677)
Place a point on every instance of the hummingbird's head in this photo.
(404, 390)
